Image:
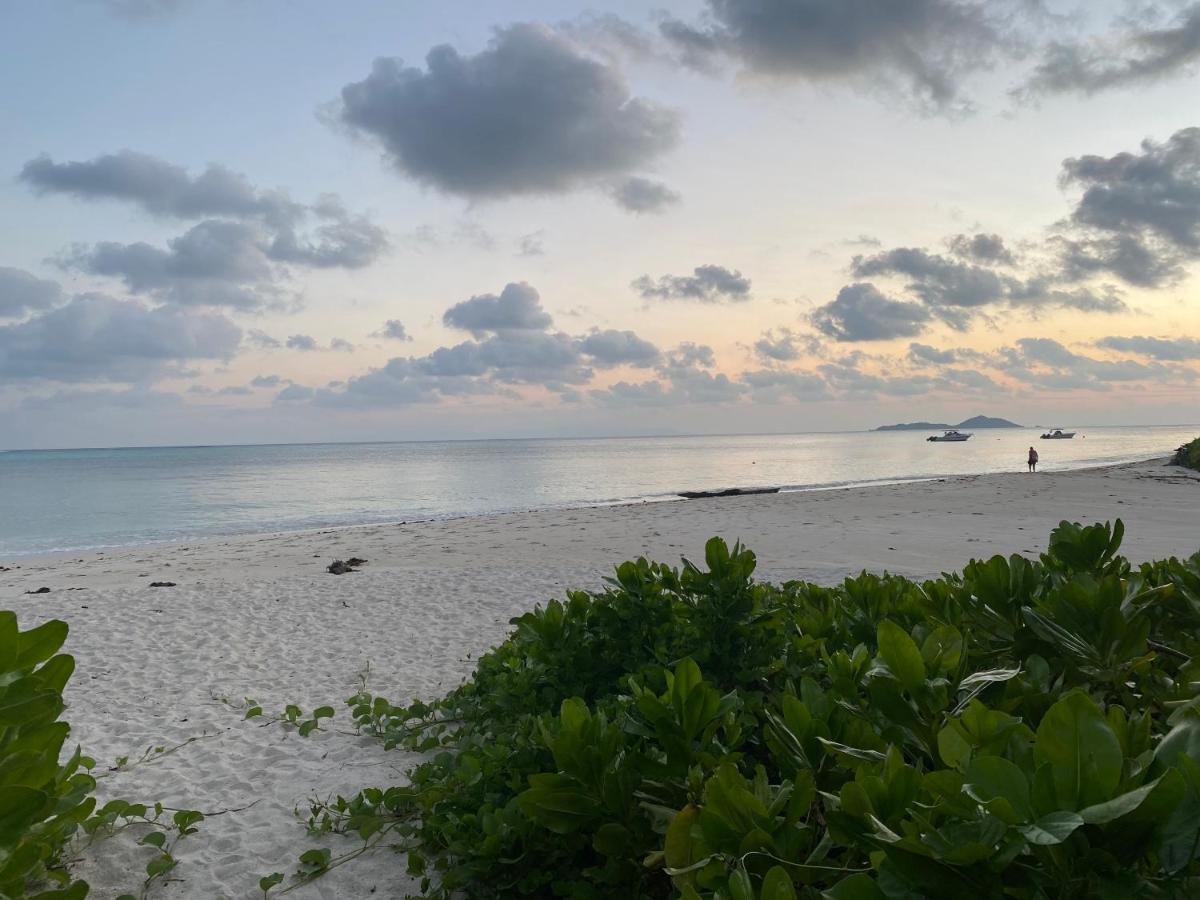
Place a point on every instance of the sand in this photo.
(259, 617)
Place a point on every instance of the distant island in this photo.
(973, 422)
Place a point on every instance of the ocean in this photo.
(53, 500)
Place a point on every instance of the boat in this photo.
(728, 492)
(950, 436)
(1057, 434)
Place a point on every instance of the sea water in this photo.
(88, 499)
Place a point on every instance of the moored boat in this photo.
(1057, 434)
(950, 436)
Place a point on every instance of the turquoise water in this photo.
(88, 499)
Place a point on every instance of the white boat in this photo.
(950, 436)
(1057, 434)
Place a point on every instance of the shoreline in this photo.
(259, 617)
(387, 521)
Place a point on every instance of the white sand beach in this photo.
(260, 617)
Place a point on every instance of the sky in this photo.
(246, 221)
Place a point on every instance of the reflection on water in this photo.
(74, 499)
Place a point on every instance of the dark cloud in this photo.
(1138, 55)
(98, 338)
(518, 307)
(1046, 363)
(267, 381)
(342, 240)
(530, 114)
(159, 187)
(214, 263)
(615, 348)
(641, 195)
(235, 256)
(341, 345)
(21, 292)
(926, 45)
(302, 342)
(862, 313)
(924, 354)
(706, 284)
(785, 384)
(956, 290)
(988, 249)
(1162, 349)
(393, 329)
(513, 346)
(683, 378)
(786, 347)
(1139, 212)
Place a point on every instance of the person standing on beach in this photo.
(1033, 460)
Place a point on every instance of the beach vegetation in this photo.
(1025, 728)
(43, 798)
(1188, 455)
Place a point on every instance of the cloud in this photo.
(1139, 55)
(513, 346)
(1139, 212)
(531, 244)
(303, 342)
(1046, 363)
(21, 292)
(261, 339)
(342, 241)
(266, 381)
(518, 307)
(862, 313)
(531, 114)
(925, 45)
(393, 329)
(988, 249)
(1162, 349)
(924, 354)
(706, 284)
(97, 338)
(614, 348)
(159, 187)
(341, 345)
(683, 378)
(955, 291)
(641, 195)
(785, 384)
(246, 241)
(785, 348)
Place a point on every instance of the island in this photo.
(973, 422)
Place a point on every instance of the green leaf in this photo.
(269, 881)
(154, 839)
(991, 778)
(20, 806)
(942, 649)
(1082, 750)
(1121, 805)
(778, 885)
(859, 886)
(40, 643)
(316, 859)
(1052, 829)
(900, 653)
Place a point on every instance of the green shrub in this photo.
(1024, 729)
(1188, 455)
(42, 800)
